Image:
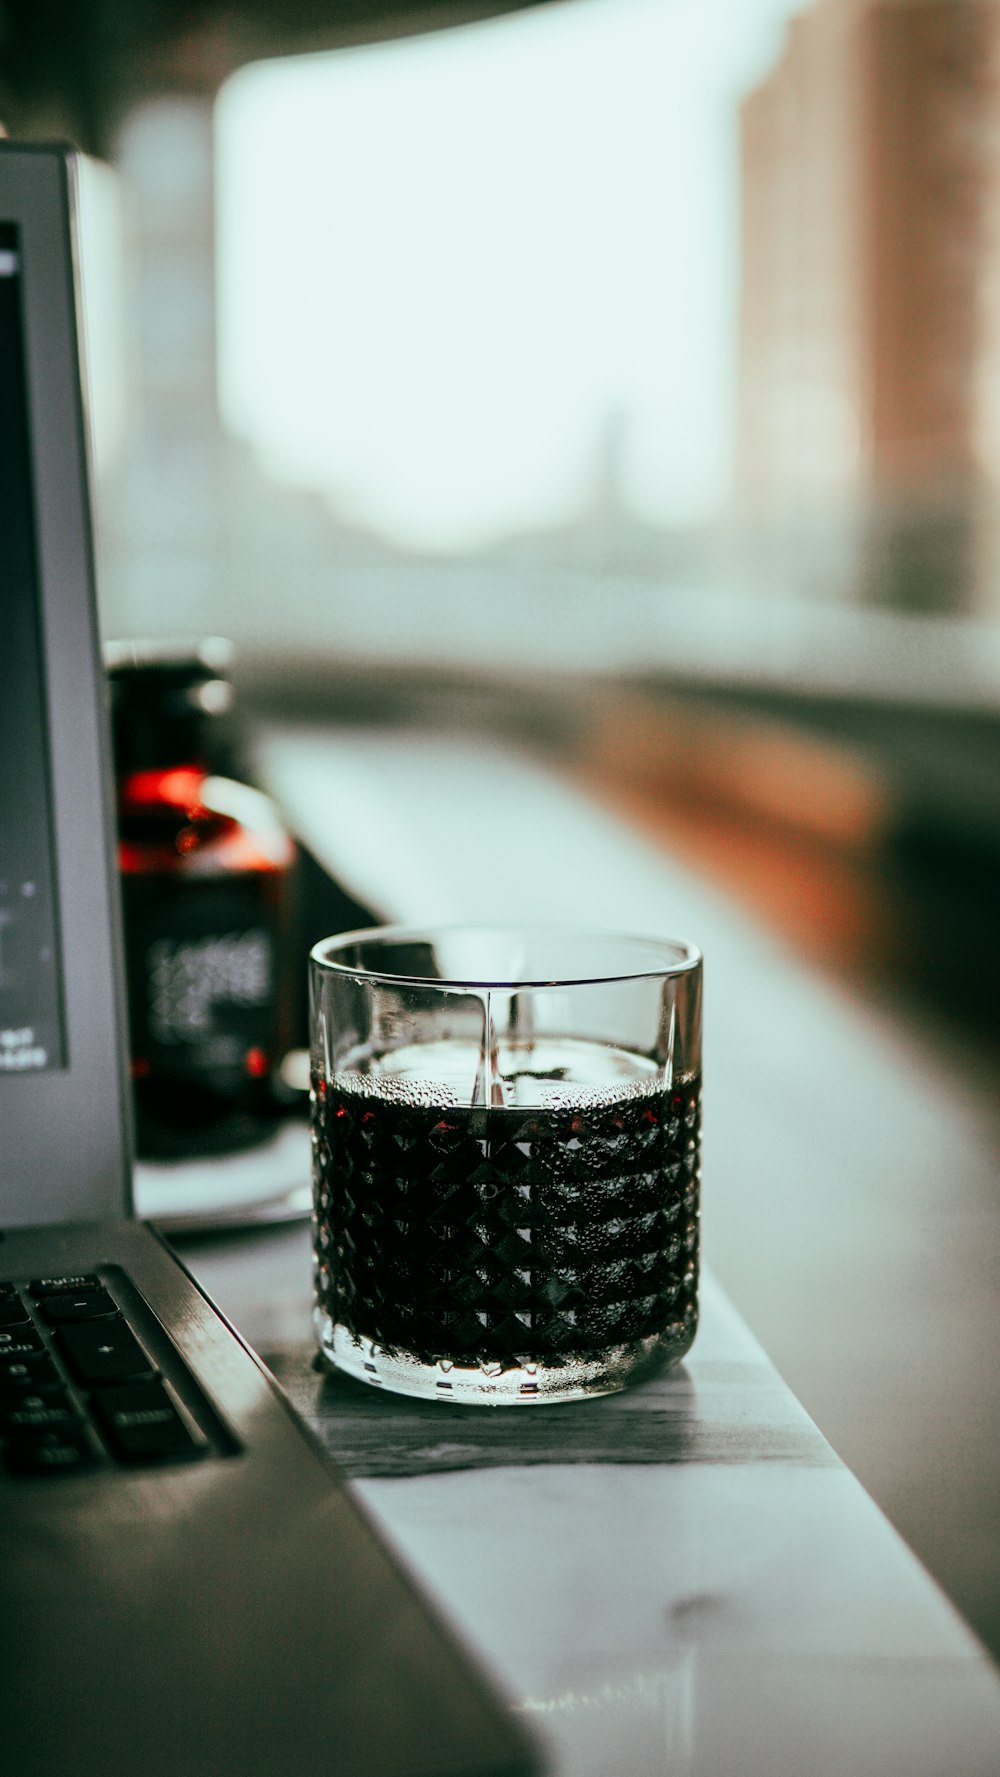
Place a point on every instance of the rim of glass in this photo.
(323, 955)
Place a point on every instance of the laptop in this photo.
(186, 1586)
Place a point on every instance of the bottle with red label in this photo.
(206, 875)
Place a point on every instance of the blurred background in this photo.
(620, 376)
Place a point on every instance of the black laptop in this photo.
(186, 1587)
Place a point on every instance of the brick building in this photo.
(869, 435)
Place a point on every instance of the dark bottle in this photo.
(206, 875)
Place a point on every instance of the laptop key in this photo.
(51, 1286)
(53, 1452)
(104, 1351)
(142, 1424)
(13, 1312)
(16, 1342)
(35, 1373)
(37, 1412)
(71, 1305)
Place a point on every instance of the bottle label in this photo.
(202, 976)
(190, 982)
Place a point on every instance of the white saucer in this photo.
(266, 1183)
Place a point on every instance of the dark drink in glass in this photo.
(540, 1247)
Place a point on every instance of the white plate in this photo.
(266, 1183)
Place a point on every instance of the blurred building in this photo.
(869, 450)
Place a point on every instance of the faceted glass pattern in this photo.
(507, 1238)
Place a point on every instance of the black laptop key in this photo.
(104, 1351)
(39, 1412)
(13, 1312)
(36, 1373)
(72, 1305)
(20, 1342)
(51, 1452)
(51, 1286)
(141, 1424)
(7, 1290)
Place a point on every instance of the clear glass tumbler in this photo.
(506, 1138)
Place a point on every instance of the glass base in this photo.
(497, 1385)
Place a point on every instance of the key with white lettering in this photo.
(104, 1351)
(142, 1424)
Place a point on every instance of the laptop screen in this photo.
(32, 1032)
(63, 1091)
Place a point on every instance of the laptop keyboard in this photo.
(89, 1379)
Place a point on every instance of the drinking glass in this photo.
(506, 1132)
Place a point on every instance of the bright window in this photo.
(470, 281)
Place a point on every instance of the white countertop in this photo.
(850, 1148)
(680, 1579)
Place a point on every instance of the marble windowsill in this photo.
(681, 1580)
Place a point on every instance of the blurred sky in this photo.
(451, 266)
